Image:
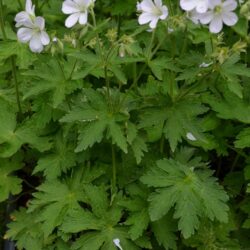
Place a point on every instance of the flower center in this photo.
(83, 8)
(218, 9)
(157, 11)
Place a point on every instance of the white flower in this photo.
(78, 10)
(25, 18)
(219, 12)
(191, 137)
(151, 12)
(200, 6)
(35, 35)
(117, 243)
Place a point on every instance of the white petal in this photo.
(158, 3)
(83, 19)
(83, 3)
(36, 44)
(24, 34)
(145, 18)
(70, 7)
(23, 19)
(191, 137)
(40, 22)
(164, 13)
(44, 38)
(230, 18)
(202, 6)
(117, 243)
(188, 4)
(138, 7)
(229, 5)
(206, 18)
(214, 3)
(29, 8)
(153, 23)
(72, 20)
(216, 25)
(147, 5)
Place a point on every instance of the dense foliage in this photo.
(120, 137)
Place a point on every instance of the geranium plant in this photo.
(125, 125)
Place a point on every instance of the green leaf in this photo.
(26, 231)
(9, 184)
(90, 134)
(229, 107)
(117, 136)
(57, 162)
(52, 77)
(139, 147)
(164, 232)
(94, 118)
(138, 218)
(102, 220)
(13, 136)
(55, 199)
(243, 139)
(188, 191)
(179, 119)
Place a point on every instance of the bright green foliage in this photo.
(59, 161)
(53, 79)
(102, 222)
(56, 199)
(9, 183)
(178, 119)
(164, 229)
(116, 138)
(230, 106)
(138, 219)
(95, 118)
(26, 230)
(192, 192)
(13, 136)
(243, 139)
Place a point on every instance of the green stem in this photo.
(171, 10)
(104, 60)
(113, 172)
(73, 69)
(2, 21)
(162, 144)
(20, 4)
(97, 35)
(150, 46)
(13, 61)
(61, 67)
(13, 65)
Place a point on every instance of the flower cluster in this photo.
(31, 28)
(212, 12)
(215, 13)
